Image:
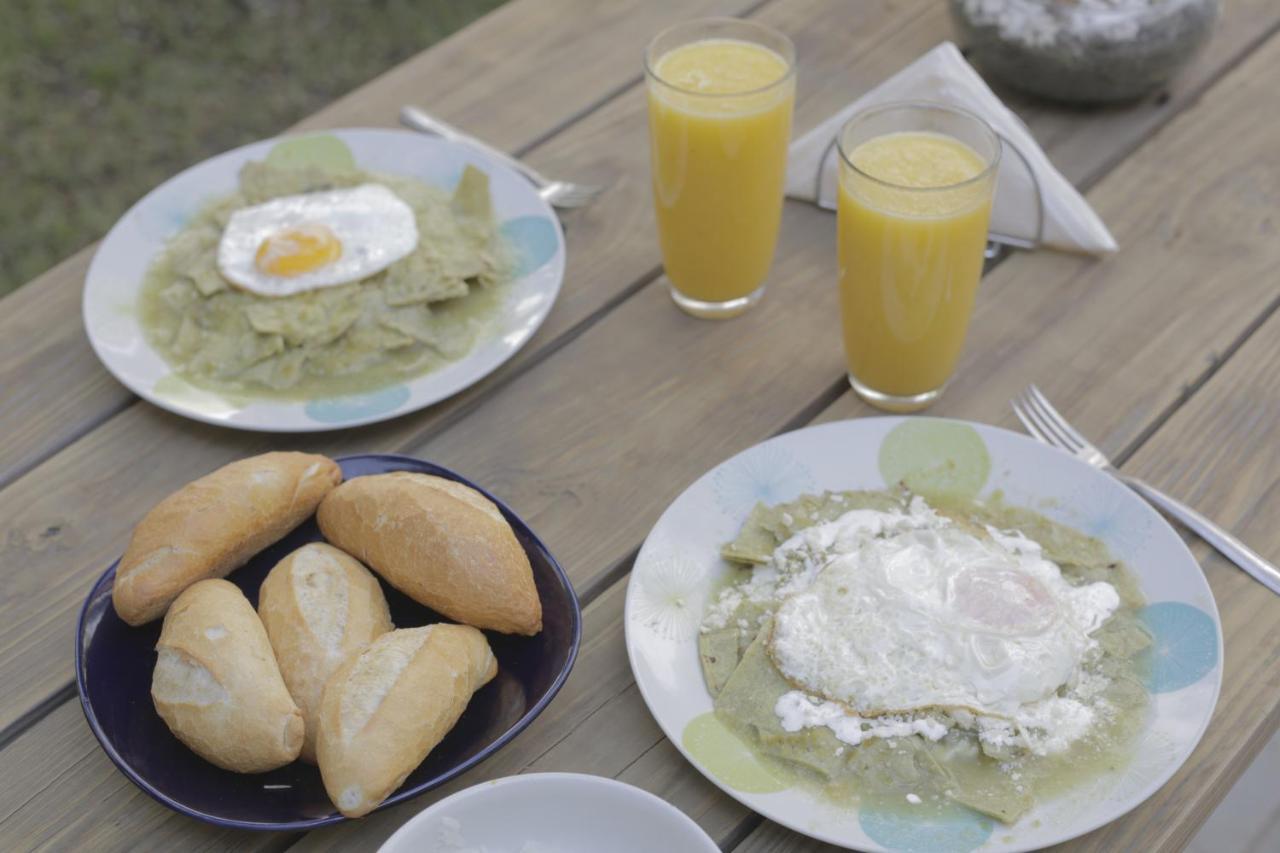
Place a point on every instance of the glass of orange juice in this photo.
(721, 94)
(916, 186)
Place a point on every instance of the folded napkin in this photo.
(942, 75)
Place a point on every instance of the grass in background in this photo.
(100, 100)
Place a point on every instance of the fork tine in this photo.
(1027, 422)
(1028, 414)
(1054, 422)
(1053, 413)
(1044, 427)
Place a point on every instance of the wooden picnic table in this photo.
(1167, 353)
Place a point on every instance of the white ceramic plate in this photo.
(550, 813)
(116, 274)
(679, 564)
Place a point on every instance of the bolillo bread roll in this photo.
(216, 683)
(215, 524)
(441, 543)
(319, 607)
(386, 708)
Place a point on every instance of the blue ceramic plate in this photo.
(114, 664)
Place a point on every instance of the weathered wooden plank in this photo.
(62, 792)
(513, 77)
(524, 70)
(51, 385)
(68, 517)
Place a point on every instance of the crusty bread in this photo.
(386, 708)
(319, 606)
(441, 543)
(214, 525)
(216, 683)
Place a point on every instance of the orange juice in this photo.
(719, 125)
(913, 213)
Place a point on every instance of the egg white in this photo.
(374, 226)
(937, 617)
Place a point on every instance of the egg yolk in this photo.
(298, 250)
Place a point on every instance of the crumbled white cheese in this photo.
(797, 710)
(720, 611)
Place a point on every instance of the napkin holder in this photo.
(996, 242)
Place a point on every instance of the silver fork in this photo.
(561, 194)
(1043, 421)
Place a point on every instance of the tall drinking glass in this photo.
(721, 94)
(916, 186)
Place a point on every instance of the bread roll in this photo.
(319, 607)
(386, 708)
(216, 683)
(439, 542)
(214, 525)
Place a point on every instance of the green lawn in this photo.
(100, 100)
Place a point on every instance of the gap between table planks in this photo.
(810, 221)
(515, 77)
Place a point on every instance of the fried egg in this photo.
(937, 617)
(302, 242)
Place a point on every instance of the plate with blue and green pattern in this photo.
(916, 634)
(270, 288)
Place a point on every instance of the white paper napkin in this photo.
(942, 75)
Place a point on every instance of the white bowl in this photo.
(550, 813)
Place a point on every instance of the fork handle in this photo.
(1229, 546)
(419, 120)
